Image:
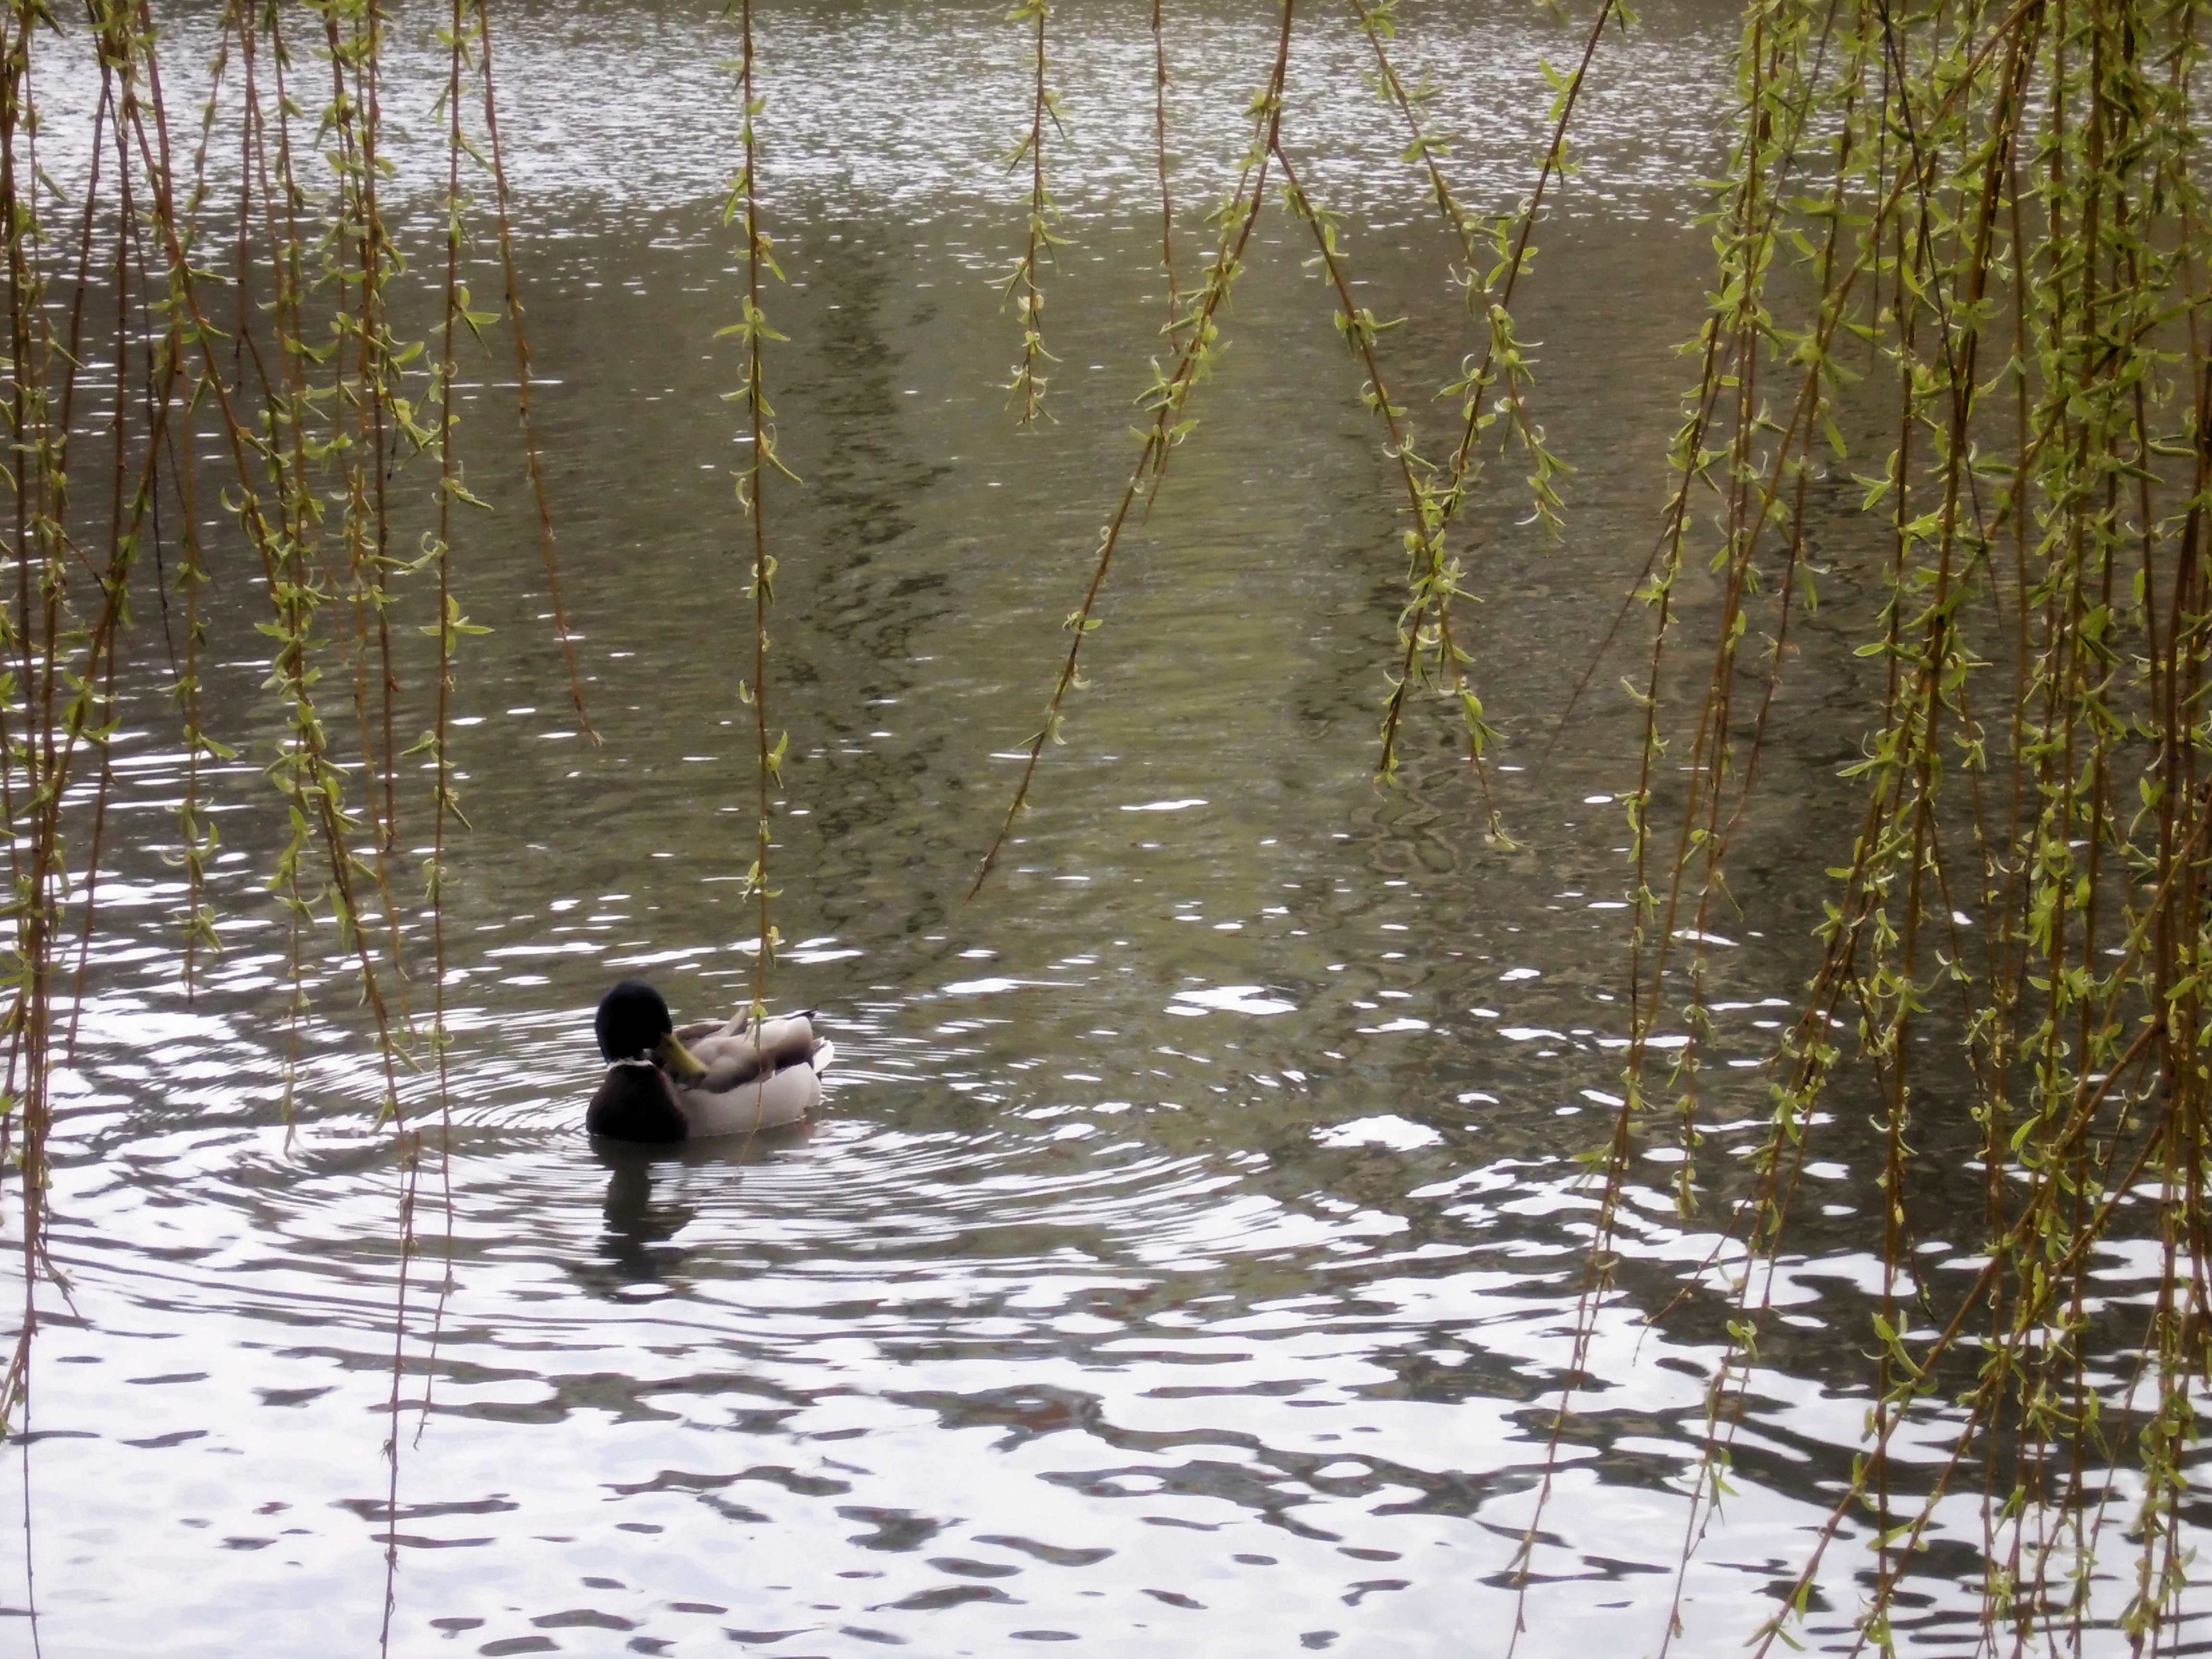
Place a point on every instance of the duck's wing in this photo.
(734, 1061)
(764, 1101)
(717, 1042)
(714, 1041)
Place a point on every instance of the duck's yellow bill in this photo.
(678, 1061)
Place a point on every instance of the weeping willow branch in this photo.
(318, 406)
(1160, 158)
(1024, 290)
(2039, 1010)
(752, 330)
(533, 449)
(1426, 645)
(1166, 399)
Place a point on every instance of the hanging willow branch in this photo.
(1023, 289)
(752, 331)
(316, 407)
(2000, 207)
(1160, 160)
(1166, 398)
(1429, 652)
(533, 449)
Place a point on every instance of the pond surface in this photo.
(1188, 1247)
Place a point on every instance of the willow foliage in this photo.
(1962, 269)
(1959, 303)
(1960, 298)
(219, 282)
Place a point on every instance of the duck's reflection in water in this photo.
(638, 1255)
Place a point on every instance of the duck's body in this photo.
(663, 1086)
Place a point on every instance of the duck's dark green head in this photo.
(632, 1024)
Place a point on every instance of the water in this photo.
(1187, 1250)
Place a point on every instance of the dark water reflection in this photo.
(1187, 1247)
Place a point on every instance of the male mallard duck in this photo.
(665, 1085)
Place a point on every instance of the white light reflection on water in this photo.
(906, 110)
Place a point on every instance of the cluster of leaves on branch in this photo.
(1959, 332)
(1959, 329)
(223, 293)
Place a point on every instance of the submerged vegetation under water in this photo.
(1956, 335)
